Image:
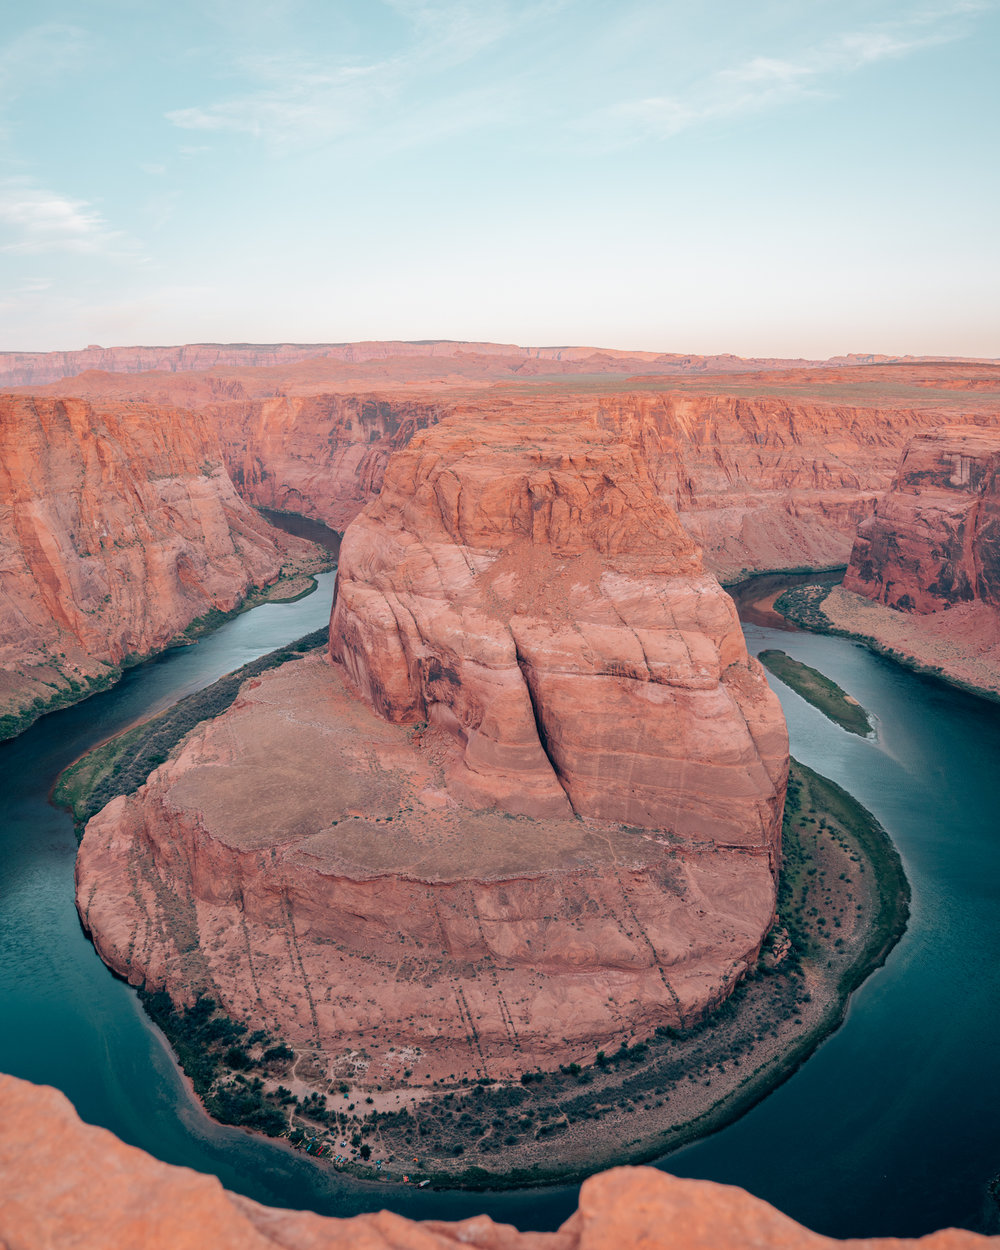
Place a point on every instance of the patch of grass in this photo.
(820, 691)
(122, 764)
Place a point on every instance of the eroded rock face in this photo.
(322, 456)
(934, 540)
(304, 863)
(552, 819)
(66, 1183)
(118, 527)
(759, 483)
(526, 589)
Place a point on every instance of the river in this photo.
(888, 1129)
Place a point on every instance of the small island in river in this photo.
(824, 695)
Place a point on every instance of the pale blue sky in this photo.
(783, 177)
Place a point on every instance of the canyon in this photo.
(551, 819)
(119, 526)
(923, 582)
(105, 1195)
(767, 467)
(553, 822)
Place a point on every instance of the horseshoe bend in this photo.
(528, 807)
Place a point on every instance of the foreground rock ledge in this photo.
(69, 1184)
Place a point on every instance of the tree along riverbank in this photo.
(842, 905)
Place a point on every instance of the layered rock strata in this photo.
(553, 818)
(304, 862)
(322, 456)
(759, 483)
(934, 539)
(525, 588)
(104, 1195)
(118, 527)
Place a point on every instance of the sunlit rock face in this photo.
(118, 526)
(532, 808)
(525, 588)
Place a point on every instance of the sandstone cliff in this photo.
(934, 540)
(759, 483)
(66, 1183)
(322, 455)
(767, 470)
(118, 527)
(535, 632)
(304, 863)
(523, 586)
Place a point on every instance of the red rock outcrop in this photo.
(934, 540)
(759, 483)
(526, 594)
(303, 862)
(524, 587)
(118, 527)
(767, 470)
(66, 1183)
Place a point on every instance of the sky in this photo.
(765, 177)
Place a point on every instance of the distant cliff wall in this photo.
(934, 539)
(118, 527)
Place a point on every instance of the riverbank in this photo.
(960, 645)
(843, 904)
(62, 690)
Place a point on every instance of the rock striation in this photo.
(766, 470)
(105, 1195)
(552, 819)
(934, 539)
(759, 483)
(322, 456)
(118, 526)
(526, 589)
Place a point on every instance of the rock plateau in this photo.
(552, 819)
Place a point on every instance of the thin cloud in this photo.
(37, 220)
(298, 100)
(764, 82)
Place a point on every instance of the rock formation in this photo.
(66, 1183)
(322, 456)
(540, 643)
(118, 527)
(524, 587)
(934, 539)
(923, 584)
(767, 470)
(759, 483)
